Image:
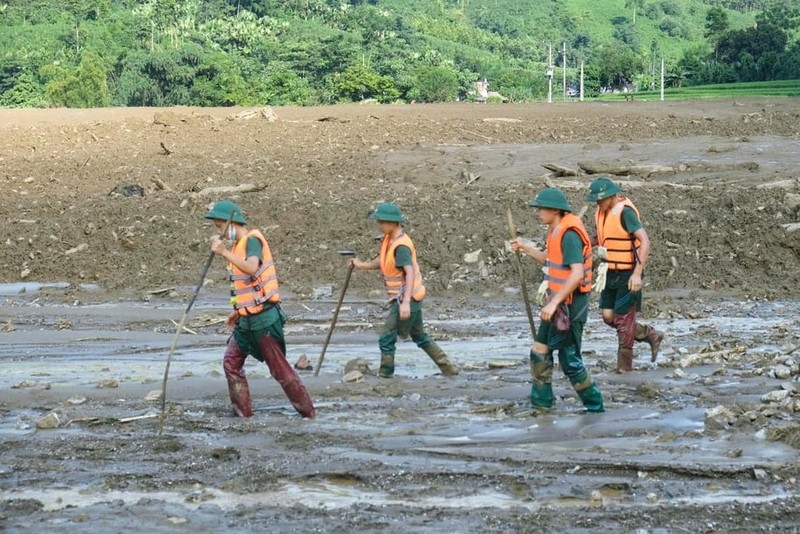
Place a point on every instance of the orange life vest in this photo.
(250, 293)
(557, 271)
(394, 277)
(622, 246)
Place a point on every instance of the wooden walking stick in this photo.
(345, 254)
(513, 232)
(179, 329)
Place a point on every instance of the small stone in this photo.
(596, 496)
(76, 401)
(75, 250)
(25, 273)
(735, 453)
(48, 422)
(322, 292)
(303, 363)
(472, 257)
(177, 520)
(761, 435)
(108, 383)
(353, 377)
(357, 364)
(781, 371)
(759, 474)
(683, 351)
(679, 373)
(719, 418)
(153, 396)
(652, 497)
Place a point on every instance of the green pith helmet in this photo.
(223, 209)
(602, 188)
(551, 198)
(386, 211)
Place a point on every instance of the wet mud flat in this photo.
(706, 440)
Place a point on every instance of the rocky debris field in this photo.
(115, 197)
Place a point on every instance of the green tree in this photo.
(435, 84)
(83, 87)
(360, 83)
(27, 92)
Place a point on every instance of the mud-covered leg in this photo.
(572, 364)
(541, 379)
(431, 348)
(388, 341)
(625, 324)
(651, 336)
(286, 376)
(233, 364)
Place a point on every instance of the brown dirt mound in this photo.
(61, 221)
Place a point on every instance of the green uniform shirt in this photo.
(403, 258)
(253, 249)
(630, 221)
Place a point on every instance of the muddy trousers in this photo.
(411, 327)
(279, 367)
(628, 332)
(571, 363)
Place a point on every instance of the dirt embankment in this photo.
(453, 169)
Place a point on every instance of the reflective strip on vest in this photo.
(251, 293)
(621, 246)
(557, 271)
(394, 278)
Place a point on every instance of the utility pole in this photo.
(581, 81)
(564, 71)
(662, 79)
(550, 76)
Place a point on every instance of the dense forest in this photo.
(89, 53)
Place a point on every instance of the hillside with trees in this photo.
(92, 53)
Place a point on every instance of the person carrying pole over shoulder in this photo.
(623, 249)
(397, 261)
(568, 258)
(257, 319)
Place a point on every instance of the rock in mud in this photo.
(322, 292)
(108, 383)
(76, 401)
(719, 418)
(759, 474)
(357, 364)
(303, 363)
(49, 421)
(153, 396)
(781, 372)
(472, 257)
(353, 377)
(775, 396)
(129, 190)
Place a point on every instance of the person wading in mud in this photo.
(257, 319)
(623, 249)
(568, 258)
(398, 263)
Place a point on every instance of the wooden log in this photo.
(561, 170)
(227, 190)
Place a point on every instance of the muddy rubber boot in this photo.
(440, 358)
(240, 398)
(624, 360)
(287, 377)
(238, 389)
(653, 338)
(541, 381)
(590, 396)
(386, 369)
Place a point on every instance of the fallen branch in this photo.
(560, 170)
(94, 421)
(162, 291)
(185, 328)
(227, 190)
(167, 151)
(627, 169)
(477, 134)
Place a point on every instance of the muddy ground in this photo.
(705, 440)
